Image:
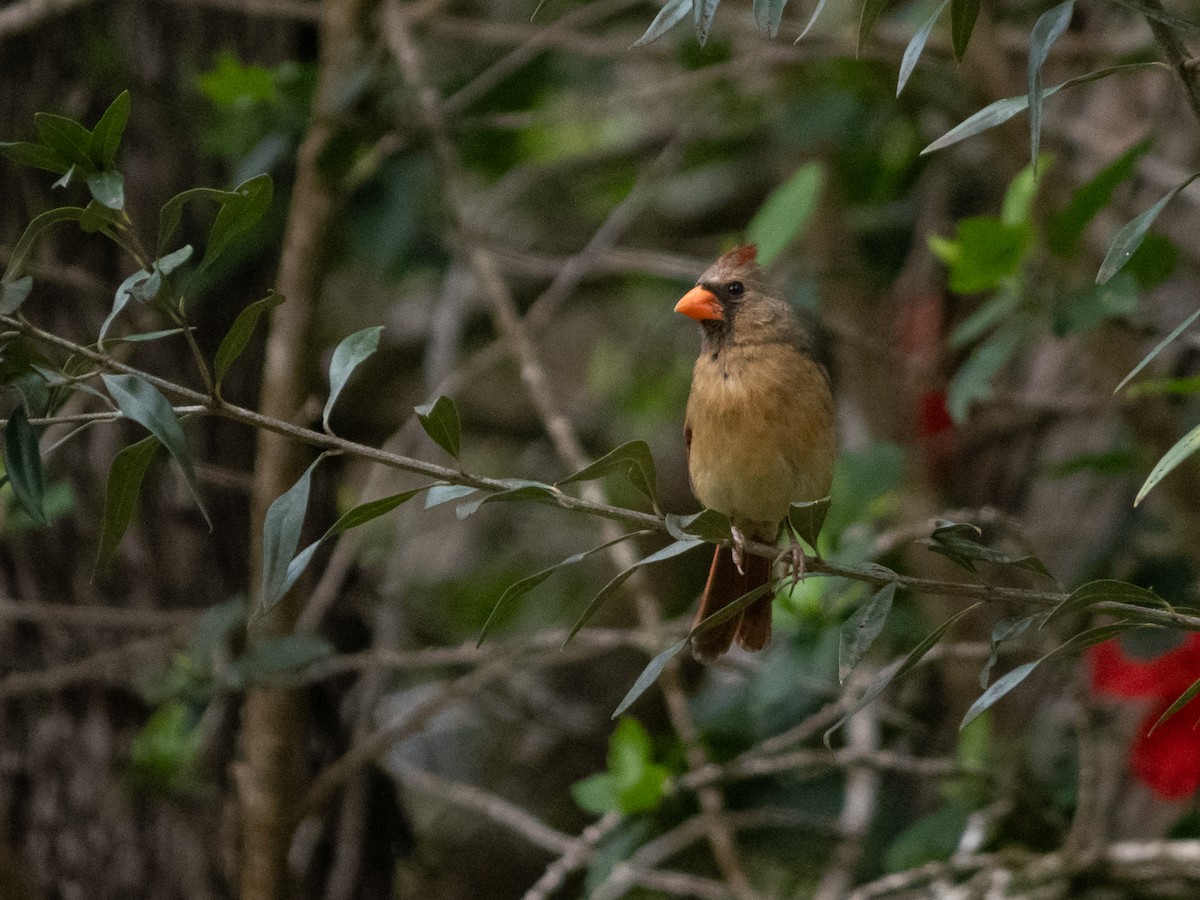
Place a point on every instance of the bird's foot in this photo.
(738, 548)
(797, 561)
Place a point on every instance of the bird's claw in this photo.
(738, 549)
(797, 561)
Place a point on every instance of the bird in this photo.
(760, 434)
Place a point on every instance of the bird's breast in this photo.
(762, 434)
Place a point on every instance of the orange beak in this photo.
(700, 304)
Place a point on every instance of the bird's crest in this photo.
(745, 255)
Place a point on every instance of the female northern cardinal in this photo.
(759, 433)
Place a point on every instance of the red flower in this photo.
(1167, 761)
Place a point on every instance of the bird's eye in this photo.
(736, 288)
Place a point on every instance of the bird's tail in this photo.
(752, 627)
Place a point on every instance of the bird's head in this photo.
(730, 286)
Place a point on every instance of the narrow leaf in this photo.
(962, 22)
(519, 589)
(785, 212)
(1004, 630)
(121, 299)
(1183, 448)
(1046, 30)
(771, 15)
(812, 20)
(1180, 702)
(999, 688)
(346, 358)
(900, 668)
(20, 253)
(732, 610)
(125, 477)
(446, 493)
(238, 215)
(1176, 332)
(916, 46)
(141, 401)
(708, 525)
(619, 579)
(37, 156)
(440, 420)
(672, 13)
(238, 337)
(67, 138)
(973, 380)
(871, 11)
(14, 293)
(633, 458)
(1066, 227)
(861, 629)
(1104, 590)
(704, 11)
(534, 491)
(1130, 237)
(1003, 110)
(106, 136)
(281, 536)
(649, 676)
(23, 465)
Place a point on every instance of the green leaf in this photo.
(519, 589)
(1017, 208)
(619, 579)
(1180, 702)
(238, 215)
(962, 22)
(597, 794)
(125, 477)
(1105, 590)
(20, 253)
(346, 358)
(121, 299)
(900, 668)
(1002, 110)
(353, 518)
(1002, 304)
(1005, 630)
(708, 525)
(1010, 680)
(916, 46)
(141, 401)
(871, 11)
(633, 458)
(281, 536)
(108, 188)
(440, 420)
(1066, 227)
(239, 210)
(67, 138)
(14, 293)
(1046, 30)
(106, 136)
(68, 176)
(861, 629)
(99, 218)
(786, 212)
(812, 20)
(703, 12)
(276, 658)
(973, 380)
(984, 252)
(446, 493)
(767, 15)
(731, 610)
(1175, 332)
(238, 336)
(672, 13)
(956, 541)
(1130, 237)
(649, 676)
(1182, 449)
(23, 465)
(521, 490)
(639, 781)
(807, 518)
(37, 156)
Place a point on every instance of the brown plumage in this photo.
(759, 432)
